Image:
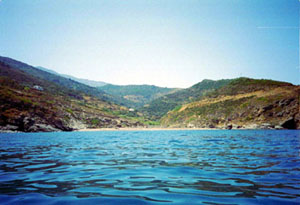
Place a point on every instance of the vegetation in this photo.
(52, 80)
(36, 100)
(135, 95)
(242, 102)
(246, 85)
(56, 104)
(160, 106)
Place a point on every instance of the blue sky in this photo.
(173, 43)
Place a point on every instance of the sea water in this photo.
(151, 167)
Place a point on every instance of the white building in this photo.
(37, 87)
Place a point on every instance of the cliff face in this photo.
(244, 103)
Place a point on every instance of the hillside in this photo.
(160, 106)
(133, 96)
(242, 103)
(90, 83)
(33, 100)
(136, 96)
(52, 77)
(63, 80)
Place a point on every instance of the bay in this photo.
(151, 167)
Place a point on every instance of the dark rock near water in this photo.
(59, 125)
(289, 123)
(211, 126)
(42, 128)
(33, 124)
(27, 124)
(9, 128)
(229, 127)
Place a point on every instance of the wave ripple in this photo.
(148, 167)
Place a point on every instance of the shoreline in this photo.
(138, 129)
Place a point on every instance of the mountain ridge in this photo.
(33, 103)
(39, 100)
(136, 95)
(91, 83)
(172, 100)
(133, 96)
(243, 103)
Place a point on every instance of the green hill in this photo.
(57, 79)
(135, 95)
(160, 106)
(63, 80)
(242, 103)
(34, 100)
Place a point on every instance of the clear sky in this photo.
(173, 43)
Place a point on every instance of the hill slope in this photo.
(90, 83)
(31, 102)
(136, 95)
(57, 79)
(36, 100)
(160, 106)
(244, 102)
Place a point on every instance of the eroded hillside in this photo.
(243, 103)
(30, 103)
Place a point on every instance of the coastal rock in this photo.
(251, 126)
(42, 128)
(235, 126)
(27, 124)
(289, 123)
(190, 125)
(297, 120)
(229, 127)
(76, 124)
(266, 126)
(278, 127)
(9, 128)
(211, 126)
(60, 126)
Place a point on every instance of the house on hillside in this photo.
(37, 87)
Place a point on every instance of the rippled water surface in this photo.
(145, 167)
